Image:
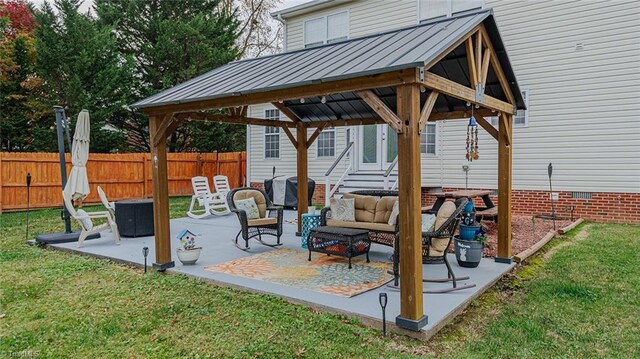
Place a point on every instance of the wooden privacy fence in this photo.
(121, 176)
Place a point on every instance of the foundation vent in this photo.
(581, 195)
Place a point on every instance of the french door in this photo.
(378, 147)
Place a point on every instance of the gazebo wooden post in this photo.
(410, 241)
(302, 171)
(504, 188)
(160, 193)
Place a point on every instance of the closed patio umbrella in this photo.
(78, 184)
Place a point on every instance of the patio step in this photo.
(366, 180)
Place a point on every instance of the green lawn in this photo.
(580, 302)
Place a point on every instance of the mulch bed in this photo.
(525, 233)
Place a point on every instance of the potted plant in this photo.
(188, 254)
(469, 252)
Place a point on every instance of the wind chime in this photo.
(472, 138)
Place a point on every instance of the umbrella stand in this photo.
(68, 235)
(63, 165)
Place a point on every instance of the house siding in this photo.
(583, 103)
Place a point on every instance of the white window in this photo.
(429, 9)
(272, 136)
(428, 139)
(326, 29)
(327, 143)
(521, 118)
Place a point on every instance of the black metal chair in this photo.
(269, 223)
(445, 231)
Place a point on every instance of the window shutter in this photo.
(338, 27)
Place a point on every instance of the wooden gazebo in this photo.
(404, 78)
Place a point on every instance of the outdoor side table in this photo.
(345, 242)
(134, 217)
(309, 221)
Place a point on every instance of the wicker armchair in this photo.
(269, 223)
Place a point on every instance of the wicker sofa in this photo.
(372, 212)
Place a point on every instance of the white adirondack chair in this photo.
(85, 221)
(203, 202)
(110, 206)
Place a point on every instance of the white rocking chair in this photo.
(84, 219)
(110, 206)
(221, 184)
(203, 202)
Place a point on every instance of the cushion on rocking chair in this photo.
(262, 222)
(439, 245)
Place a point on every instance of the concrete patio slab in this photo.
(217, 233)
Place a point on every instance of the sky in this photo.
(86, 5)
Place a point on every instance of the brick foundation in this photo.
(602, 207)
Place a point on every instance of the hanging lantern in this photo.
(472, 138)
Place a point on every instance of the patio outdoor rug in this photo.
(326, 274)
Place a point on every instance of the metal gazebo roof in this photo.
(405, 48)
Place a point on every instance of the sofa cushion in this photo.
(257, 196)
(384, 208)
(362, 225)
(343, 209)
(393, 218)
(262, 222)
(365, 206)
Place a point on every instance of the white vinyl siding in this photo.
(326, 29)
(271, 136)
(326, 143)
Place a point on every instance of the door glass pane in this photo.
(392, 144)
(370, 144)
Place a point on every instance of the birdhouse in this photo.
(187, 239)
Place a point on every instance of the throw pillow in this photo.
(428, 222)
(248, 205)
(343, 209)
(394, 214)
(83, 217)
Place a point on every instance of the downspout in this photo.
(284, 31)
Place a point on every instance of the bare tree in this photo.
(260, 34)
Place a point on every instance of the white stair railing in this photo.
(328, 190)
(388, 172)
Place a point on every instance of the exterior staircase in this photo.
(367, 180)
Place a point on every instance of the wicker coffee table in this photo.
(345, 242)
